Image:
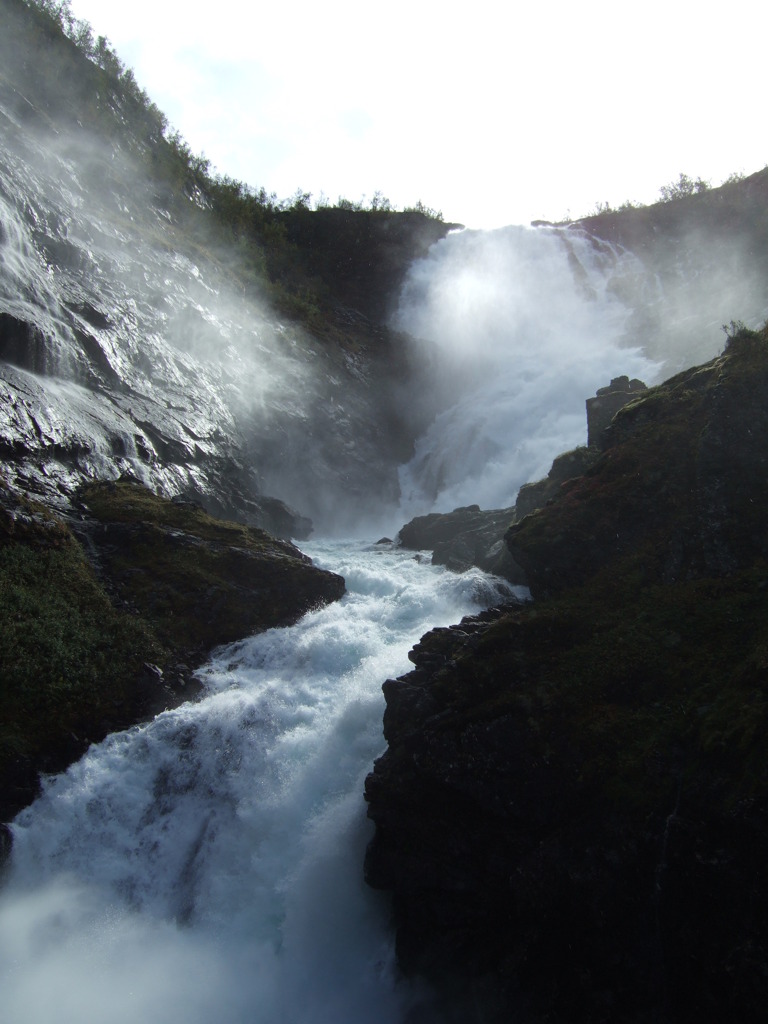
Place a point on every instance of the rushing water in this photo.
(526, 324)
(208, 865)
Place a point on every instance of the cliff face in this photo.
(572, 808)
(141, 334)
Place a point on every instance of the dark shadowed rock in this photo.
(603, 407)
(466, 537)
(564, 467)
(572, 811)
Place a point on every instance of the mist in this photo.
(150, 346)
(524, 326)
(518, 327)
(139, 341)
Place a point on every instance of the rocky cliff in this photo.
(572, 808)
(247, 367)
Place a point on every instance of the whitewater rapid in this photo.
(208, 865)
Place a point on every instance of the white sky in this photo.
(494, 113)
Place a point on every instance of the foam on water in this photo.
(208, 865)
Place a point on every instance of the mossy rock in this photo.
(72, 666)
(200, 581)
(98, 643)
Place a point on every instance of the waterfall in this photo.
(208, 865)
(523, 324)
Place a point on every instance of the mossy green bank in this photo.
(103, 616)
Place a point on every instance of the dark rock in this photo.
(88, 312)
(281, 520)
(564, 467)
(572, 810)
(464, 538)
(363, 255)
(6, 842)
(603, 407)
(24, 345)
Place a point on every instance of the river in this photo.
(208, 865)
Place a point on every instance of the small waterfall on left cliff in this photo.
(208, 866)
(136, 337)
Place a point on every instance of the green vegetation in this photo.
(738, 334)
(85, 653)
(682, 188)
(69, 661)
(200, 581)
(73, 78)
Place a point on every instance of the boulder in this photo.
(466, 537)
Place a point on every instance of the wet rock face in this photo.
(129, 344)
(572, 810)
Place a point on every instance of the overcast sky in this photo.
(495, 113)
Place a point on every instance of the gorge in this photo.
(568, 802)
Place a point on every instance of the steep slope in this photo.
(571, 811)
(141, 331)
(701, 261)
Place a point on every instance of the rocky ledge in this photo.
(104, 615)
(572, 812)
(471, 536)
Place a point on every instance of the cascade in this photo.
(523, 324)
(208, 865)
